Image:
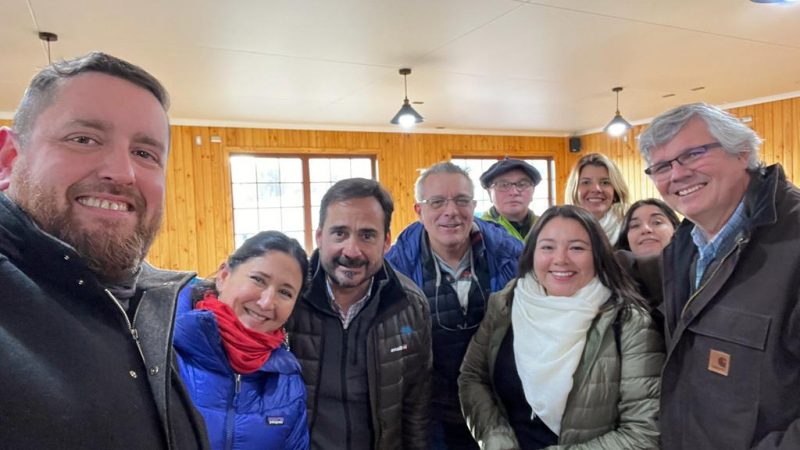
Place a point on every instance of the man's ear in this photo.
(8, 154)
(387, 242)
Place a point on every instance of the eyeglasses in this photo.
(505, 186)
(687, 158)
(462, 201)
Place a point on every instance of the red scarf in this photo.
(247, 350)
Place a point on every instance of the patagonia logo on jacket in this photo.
(273, 420)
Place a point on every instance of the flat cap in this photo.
(505, 165)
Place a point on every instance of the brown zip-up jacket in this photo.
(732, 375)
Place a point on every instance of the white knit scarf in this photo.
(549, 337)
(612, 222)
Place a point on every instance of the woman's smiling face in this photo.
(563, 260)
(595, 191)
(262, 290)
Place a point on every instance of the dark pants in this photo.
(451, 436)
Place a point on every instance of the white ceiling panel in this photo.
(479, 65)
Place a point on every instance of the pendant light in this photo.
(618, 126)
(406, 117)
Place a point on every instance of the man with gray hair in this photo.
(86, 324)
(457, 260)
(731, 284)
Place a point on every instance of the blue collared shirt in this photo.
(719, 244)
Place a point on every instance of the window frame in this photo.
(305, 159)
(550, 177)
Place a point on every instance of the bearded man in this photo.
(362, 332)
(86, 324)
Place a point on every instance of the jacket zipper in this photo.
(739, 242)
(134, 332)
(343, 377)
(230, 414)
(376, 357)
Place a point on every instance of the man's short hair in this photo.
(442, 167)
(358, 188)
(44, 86)
(727, 129)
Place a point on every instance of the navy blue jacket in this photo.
(262, 410)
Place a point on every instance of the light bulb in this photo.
(407, 120)
(616, 129)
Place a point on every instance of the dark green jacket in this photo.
(493, 216)
(613, 403)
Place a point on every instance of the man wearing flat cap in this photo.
(510, 183)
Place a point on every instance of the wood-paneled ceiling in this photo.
(491, 66)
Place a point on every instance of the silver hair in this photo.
(727, 129)
(442, 167)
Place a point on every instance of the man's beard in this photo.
(345, 262)
(113, 256)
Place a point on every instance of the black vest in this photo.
(452, 327)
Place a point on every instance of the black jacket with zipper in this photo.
(75, 372)
(387, 346)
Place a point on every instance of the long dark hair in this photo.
(259, 245)
(606, 266)
(622, 242)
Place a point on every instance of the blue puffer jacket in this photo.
(502, 249)
(262, 410)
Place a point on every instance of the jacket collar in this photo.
(760, 198)
(35, 251)
(760, 206)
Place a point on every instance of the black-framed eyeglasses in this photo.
(461, 201)
(687, 158)
(505, 186)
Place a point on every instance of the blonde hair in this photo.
(621, 193)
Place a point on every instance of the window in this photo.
(284, 193)
(543, 196)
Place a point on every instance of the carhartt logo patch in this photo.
(275, 420)
(399, 348)
(719, 362)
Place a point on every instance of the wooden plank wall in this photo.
(197, 233)
(198, 227)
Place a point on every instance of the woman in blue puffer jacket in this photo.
(231, 347)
